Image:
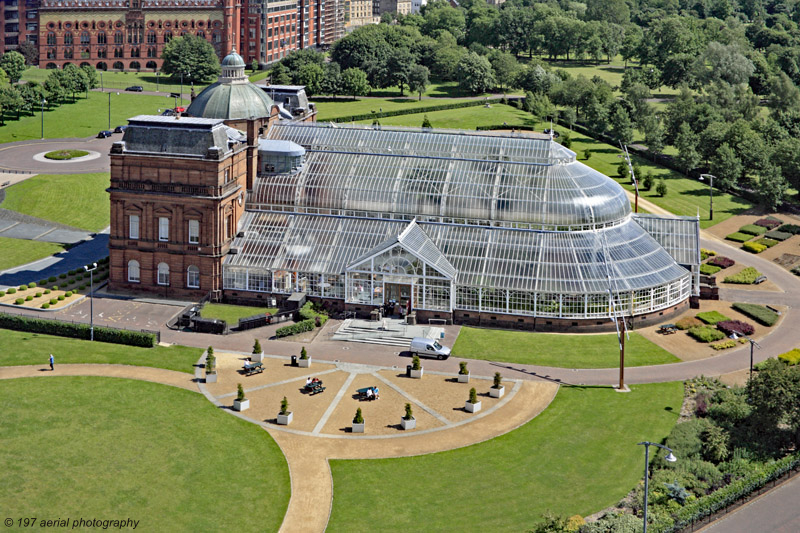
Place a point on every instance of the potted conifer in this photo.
(463, 373)
(258, 353)
(416, 368)
(284, 417)
(497, 390)
(305, 360)
(211, 366)
(240, 403)
(408, 421)
(472, 405)
(358, 422)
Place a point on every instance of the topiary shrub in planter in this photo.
(416, 368)
(305, 360)
(736, 326)
(241, 403)
(358, 422)
(258, 354)
(408, 421)
(284, 416)
(211, 366)
(706, 334)
(463, 373)
(472, 405)
(497, 390)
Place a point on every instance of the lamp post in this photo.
(710, 194)
(181, 89)
(670, 457)
(735, 335)
(44, 103)
(91, 298)
(157, 86)
(102, 87)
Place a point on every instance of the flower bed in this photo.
(759, 313)
(709, 270)
(794, 229)
(753, 247)
(706, 334)
(705, 254)
(769, 222)
(769, 243)
(721, 261)
(739, 237)
(791, 358)
(778, 235)
(63, 155)
(711, 317)
(747, 276)
(752, 229)
(687, 323)
(736, 326)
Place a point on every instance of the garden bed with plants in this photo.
(312, 317)
(65, 155)
(55, 292)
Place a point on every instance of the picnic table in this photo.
(668, 329)
(315, 387)
(368, 393)
(252, 368)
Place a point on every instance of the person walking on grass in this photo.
(52, 360)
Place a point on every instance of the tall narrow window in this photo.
(163, 274)
(194, 231)
(133, 227)
(163, 229)
(133, 271)
(193, 277)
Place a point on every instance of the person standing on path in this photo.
(52, 360)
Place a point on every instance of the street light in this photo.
(91, 297)
(710, 194)
(109, 110)
(735, 335)
(44, 103)
(670, 457)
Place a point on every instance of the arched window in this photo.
(67, 53)
(151, 52)
(193, 277)
(119, 38)
(51, 38)
(151, 37)
(135, 65)
(151, 64)
(135, 52)
(86, 53)
(102, 65)
(217, 36)
(167, 36)
(51, 53)
(118, 65)
(202, 34)
(163, 274)
(101, 52)
(68, 39)
(85, 37)
(118, 52)
(101, 38)
(133, 271)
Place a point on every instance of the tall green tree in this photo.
(91, 75)
(475, 74)
(279, 75)
(686, 143)
(29, 51)
(354, 82)
(771, 187)
(621, 125)
(332, 81)
(311, 76)
(654, 135)
(398, 65)
(726, 167)
(418, 79)
(192, 56)
(12, 100)
(54, 90)
(14, 64)
(74, 80)
(505, 68)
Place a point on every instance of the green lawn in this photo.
(331, 110)
(16, 252)
(558, 349)
(436, 89)
(578, 457)
(84, 118)
(34, 349)
(78, 200)
(232, 313)
(466, 118)
(104, 448)
(120, 80)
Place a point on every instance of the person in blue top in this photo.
(52, 360)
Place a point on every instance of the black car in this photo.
(103, 134)
(120, 129)
(555, 133)
(168, 113)
(135, 88)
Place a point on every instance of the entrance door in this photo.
(396, 297)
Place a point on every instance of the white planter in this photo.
(211, 378)
(497, 393)
(241, 405)
(408, 424)
(304, 363)
(463, 378)
(416, 373)
(472, 407)
(285, 420)
(257, 357)
(359, 428)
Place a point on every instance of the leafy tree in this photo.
(771, 187)
(91, 75)
(661, 188)
(616, 11)
(775, 397)
(12, 100)
(566, 140)
(723, 62)
(653, 135)
(505, 68)
(192, 56)
(535, 79)
(647, 182)
(425, 122)
(539, 106)
(74, 80)
(54, 90)
(332, 80)
(440, 15)
(784, 94)
(3, 78)
(13, 63)
(686, 143)
(787, 157)
(621, 125)
(363, 45)
(29, 51)
(32, 94)
(254, 65)
(279, 75)
(354, 82)
(418, 79)
(398, 65)
(297, 58)
(726, 167)
(446, 60)
(475, 74)
(311, 75)
(715, 447)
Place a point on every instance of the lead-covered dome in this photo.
(232, 96)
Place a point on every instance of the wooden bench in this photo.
(668, 329)
(252, 368)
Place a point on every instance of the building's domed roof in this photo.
(232, 96)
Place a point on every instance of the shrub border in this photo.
(78, 331)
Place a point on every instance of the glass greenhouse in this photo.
(446, 221)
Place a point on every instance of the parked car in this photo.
(103, 134)
(120, 129)
(180, 109)
(168, 113)
(175, 95)
(555, 133)
(135, 88)
(428, 348)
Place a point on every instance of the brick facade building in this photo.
(19, 22)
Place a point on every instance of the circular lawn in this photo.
(111, 448)
(64, 155)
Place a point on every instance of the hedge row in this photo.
(778, 235)
(752, 229)
(708, 269)
(791, 358)
(294, 329)
(77, 331)
(711, 317)
(728, 495)
(759, 313)
(739, 237)
(753, 247)
(307, 312)
(414, 111)
(794, 229)
(745, 277)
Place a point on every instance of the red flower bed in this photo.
(721, 261)
(770, 223)
(737, 326)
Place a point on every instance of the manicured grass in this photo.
(63, 155)
(78, 200)
(16, 252)
(466, 118)
(84, 118)
(558, 349)
(348, 108)
(577, 457)
(89, 447)
(35, 348)
(121, 80)
(232, 313)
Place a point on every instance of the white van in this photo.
(429, 348)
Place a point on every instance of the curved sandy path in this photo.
(143, 373)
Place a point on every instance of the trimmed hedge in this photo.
(688, 323)
(794, 229)
(724, 345)
(706, 334)
(709, 270)
(753, 247)
(769, 222)
(745, 277)
(711, 317)
(736, 326)
(415, 110)
(307, 312)
(19, 301)
(721, 261)
(778, 235)
(752, 229)
(739, 237)
(759, 313)
(769, 243)
(294, 329)
(791, 358)
(77, 331)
